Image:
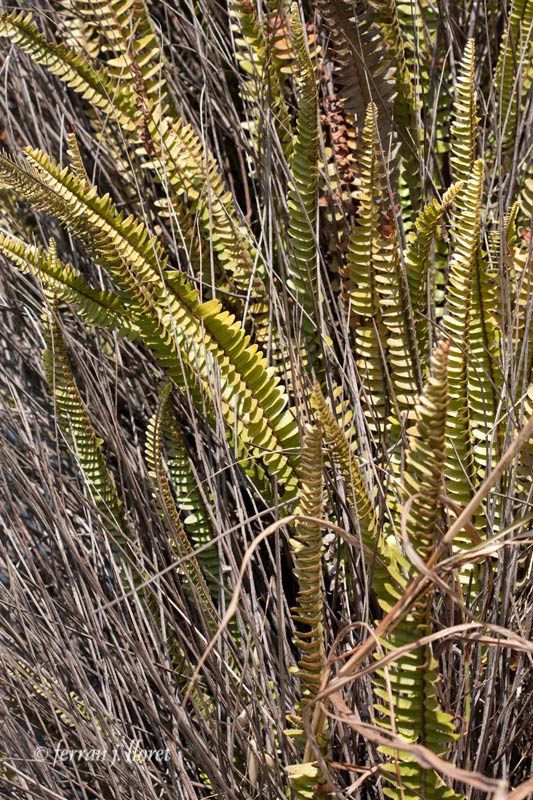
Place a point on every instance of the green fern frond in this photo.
(394, 304)
(307, 550)
(304, 780)
(457, 320)
(192, 503)
(76, 162)
(409, 705)
(193, 182)
(424, 469)
(485, 377)
(79, 33)
(78, 430)
(464, 125)
(192, 340)
(513, 73)
(165, 500)
(129, 44)
(176, 154)
(367, 245)
(72, 68)
(383, 560)
(303, 194)
(264, 81)
(96, 306)
(356, 489)
(417, 259)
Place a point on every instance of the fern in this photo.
(513, 75)
(191, 503)
(96, 306)
(175, 153)
(417, 258)
(367, 246)
(366, 72)
(464, 126)
(79, 432)
(411, 708)
(165, 500)
(307, 549)
(66, 63)
(457, 319)
(302, 201)
(178, 328)
(263, 82)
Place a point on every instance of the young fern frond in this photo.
(464, 125)
(485, 378)
(406, 688)
(170, 513)
(188, 337)
(424, 471)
